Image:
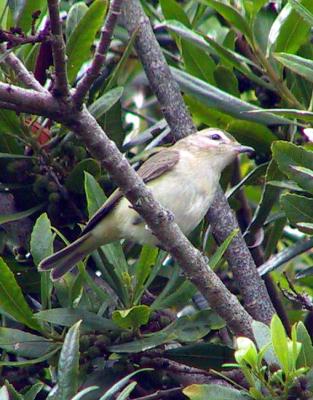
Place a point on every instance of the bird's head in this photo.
(219, 146)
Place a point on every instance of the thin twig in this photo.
(60, 88)
(162, 394)
(21, 72)
(100, 54)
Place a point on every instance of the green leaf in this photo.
(147, 259)
(15, 156)
(202, 355)
(82, 393)
(94, 194)
(68, 367)
(22, 11)
(171, 9)
(19, 215)
(298, 209)
(69, 316)
(189, 328)
(4, 394)
(12, 300)
(232, 16)
(75, 180)
(32, 392)
(262, 336)
(269, 198)
(305, 358)
(121, 383)
(198, 62)
(105, 102)
(217, 99)
(289, 31)
(279, 341)
(124, 395)
(14, 395)
(31, 361)
(303, 11)
(299, 65)
(132, 318)
(41, 246)
(75, 14)
(24, 344)
(211, 47)
(78, 48)
(288, 113)
(215, 259)
(41, 243)
(213, 392)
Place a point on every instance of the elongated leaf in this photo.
(186, 329)
(202, 355)
(124, 395)
(143, 267)
(78, 47)
(299, 65)
(215, 98)
(75, 180)
(262, 336)
(216, 392)
(19, 215)
(132, 318)
(288, 113)
(24, 344)
(231, 15)
(279, 340)
(105, 102)
(298, 208)
(33, 391)
(69, 316)
(15, 156)
(31, 361)
(75, 14)
(215, 259)
(12, 300)
(305, 358)
(82, 393)
(269, 197)
(289, 31)
(121, 383)
(41, 246)
(22, 11)
(173, 10)
(68, 367)
(303, 11)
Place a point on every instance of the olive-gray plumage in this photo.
(183, 178)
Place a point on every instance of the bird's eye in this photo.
(215, 136)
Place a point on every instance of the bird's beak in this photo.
(245, 149)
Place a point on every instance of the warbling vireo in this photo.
(183, 178)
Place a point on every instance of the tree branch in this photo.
(60, 88)
(158, 73)
(159, 221)
(161, 81)
(100, 54)
(21, 72)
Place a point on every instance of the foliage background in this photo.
(233, 60)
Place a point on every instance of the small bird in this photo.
(183, 178)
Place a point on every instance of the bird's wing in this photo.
(154, 167)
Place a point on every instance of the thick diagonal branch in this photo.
(221, 217)
(100, 54)
(190, 259)
(157, 218)
(60, 88)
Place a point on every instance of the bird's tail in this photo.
(65, 259)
